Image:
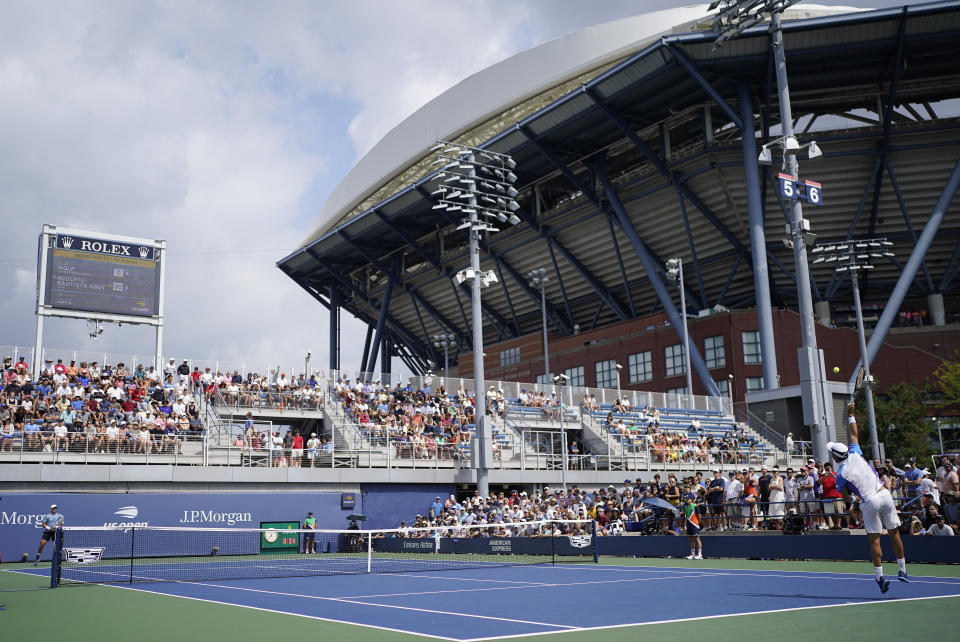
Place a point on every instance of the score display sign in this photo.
(810, 191)
(275, 537)
(103, 275)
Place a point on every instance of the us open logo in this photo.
(580, 541)
(89, 555)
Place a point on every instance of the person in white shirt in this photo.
(929, 487)
(733, 490)
(856, 476)
(941, 528)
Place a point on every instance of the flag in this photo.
(690, 510)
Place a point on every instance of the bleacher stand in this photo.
(94, 409)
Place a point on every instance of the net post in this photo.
(133, 534)
(369, 551)
(55, 562)
(596, 544)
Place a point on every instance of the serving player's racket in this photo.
(861, 375)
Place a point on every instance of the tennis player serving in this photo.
(50, 523)
(856, 476)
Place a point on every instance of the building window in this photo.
(754, 384)
(677, 391)
(545, 378)
(641, 366)
(606, 373)
(675, 360)
(723, 385)
(713, 352)
(751, 347)
(509, 357)
(576, 376)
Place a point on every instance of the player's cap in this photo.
(52, 506)
(837, 450)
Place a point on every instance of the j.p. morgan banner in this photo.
(20, 514)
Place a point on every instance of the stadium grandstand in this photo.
(591, 407)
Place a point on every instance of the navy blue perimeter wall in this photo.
(918, 548)
(386, 505)
(20, 513)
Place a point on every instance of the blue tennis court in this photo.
(494, 603)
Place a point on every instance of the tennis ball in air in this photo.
(836, 370)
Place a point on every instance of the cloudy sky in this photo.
(222, 127)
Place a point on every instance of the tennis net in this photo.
(99, 555)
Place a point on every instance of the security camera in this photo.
(309, 353)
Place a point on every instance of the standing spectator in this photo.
(790, 489)
(789, 447)
(911, 478)
(805, 496)
(313, 446)
(734, 489)
(928, 489)
(951, 482)
(296, 451)
(833, 506)
(763, 485)
(775, 510)
(715, 494)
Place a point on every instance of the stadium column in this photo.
(334, 329)
(378, 335)
(892, 308)
(650, 266)
(758, 241)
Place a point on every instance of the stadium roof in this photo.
(658, 118)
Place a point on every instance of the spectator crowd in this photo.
(92, 408)
(792, 501)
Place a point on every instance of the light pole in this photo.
(619, 394)
(483, 191)
(538, 280)
(560, 380)
(734, 17)
(675, 272)
(445, 341)
(853, 256)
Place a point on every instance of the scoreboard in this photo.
(97, 275)
(279, 537)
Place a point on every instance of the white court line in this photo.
(303, 615)
(531, 586)
(460, 579)
(622, 568)
(707, 617)
(388, 606)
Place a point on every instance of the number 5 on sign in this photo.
(814, 193)
(788, 188)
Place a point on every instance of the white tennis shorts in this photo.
(879, 512)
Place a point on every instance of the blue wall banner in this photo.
(20, 513)
(386, 505)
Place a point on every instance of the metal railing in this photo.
(257, 400)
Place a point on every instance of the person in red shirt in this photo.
(833, 506)
(297, 451)
(750, 498)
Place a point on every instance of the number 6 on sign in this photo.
(814, 193)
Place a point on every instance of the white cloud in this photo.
(208, 124)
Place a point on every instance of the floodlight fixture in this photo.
(765, 157)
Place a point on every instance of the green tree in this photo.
(947, 377)
(902, 424)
